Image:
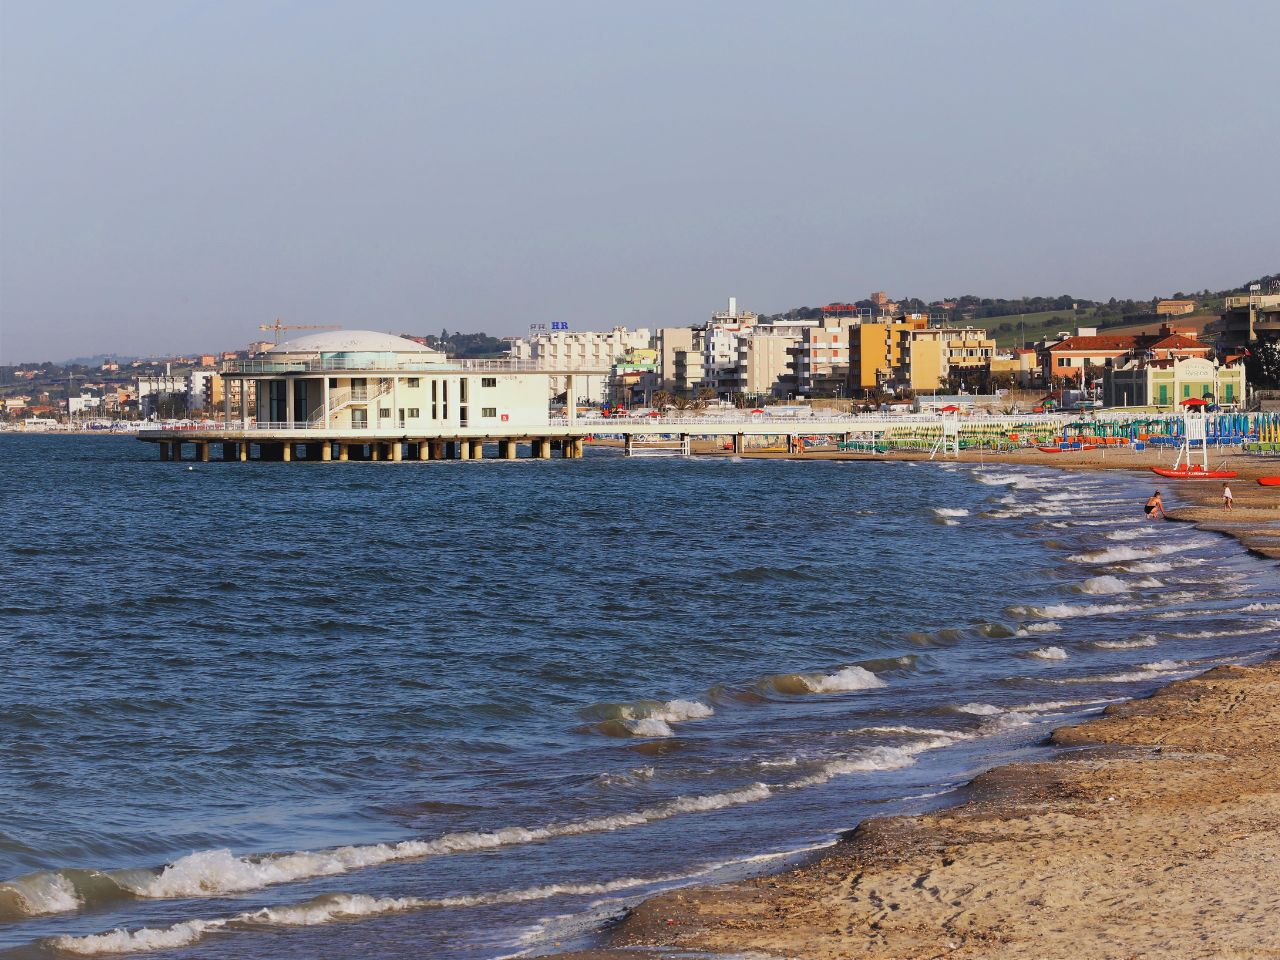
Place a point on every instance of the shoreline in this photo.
(1152, 835)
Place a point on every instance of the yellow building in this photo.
(876, 352)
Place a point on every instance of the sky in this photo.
(174, 173)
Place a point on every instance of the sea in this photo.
(468, 710)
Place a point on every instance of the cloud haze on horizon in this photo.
(172, 174)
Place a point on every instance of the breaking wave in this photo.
(1048, 653)
(1103, 585)
(209, 873)
(645, 718)
(1070, 610)
(1146, 640)
(842, 681)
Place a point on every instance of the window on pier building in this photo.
(359, 418)
(413, 413)
(413, 382)
(462, 415)
(444, 399)
(488, 411)
(333, 383)
(384, 413)
(435, 410)
(488, 381)
(462, 390)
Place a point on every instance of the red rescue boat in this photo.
(1194, 472)
(1269, 481)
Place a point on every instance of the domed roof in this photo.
(350, 341)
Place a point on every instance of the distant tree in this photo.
(663, 399)
(1262, 366)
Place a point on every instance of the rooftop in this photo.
(349, 341)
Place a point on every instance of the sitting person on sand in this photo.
(1226, 496)
(1154, 506)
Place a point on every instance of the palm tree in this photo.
(662, 399)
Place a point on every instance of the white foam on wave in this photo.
(1007, 720)
(38, 894)
(876, 759)
(978, 709)
(842, 681)
(950, 511)
(1237, 632)
(1146, 671)
(1100, 523)
(850, 678)
(137, 941)
(648, 718)
(1146, 640)
(1048, 653)
(1147, 566)
(1022, 481)
(1043, 626)
(344, 906)
(1067, 610)
(1118, 554)
(1102, 586)
(1260, 607)
(219, 872)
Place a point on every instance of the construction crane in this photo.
(279, 325)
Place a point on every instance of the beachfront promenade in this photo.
(566, 435)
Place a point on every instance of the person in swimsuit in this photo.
(1154, 506)
(1226, 496)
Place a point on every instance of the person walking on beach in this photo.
(1154, 506)
(1226, 497)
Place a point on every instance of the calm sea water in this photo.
(465, 710)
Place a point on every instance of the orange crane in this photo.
(278, 326)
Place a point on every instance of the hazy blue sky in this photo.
(174, 173)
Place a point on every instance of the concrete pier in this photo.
(326, 451)
(507, 449)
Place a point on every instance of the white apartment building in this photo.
(580, 349)
(720, 347)
(199, 387)
(151, 390)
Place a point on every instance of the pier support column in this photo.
(326, 451)
(397, 451)
(477, 449)
(437, 450)
(202, 451)
(464, 449)
(286, 452)
(739, 442)
(375, 451)
(175, 450)
(242, 450)
(566, 449)
(344, 452)
(578, 445)
(627, 443)
(165, 452)
(507, 449)
(544, 451)
(424, 450)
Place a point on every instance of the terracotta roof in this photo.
(1178, 342)
(1114, 341)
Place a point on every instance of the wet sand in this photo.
(1155, 834)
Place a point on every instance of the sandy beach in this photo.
(1154, 834)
